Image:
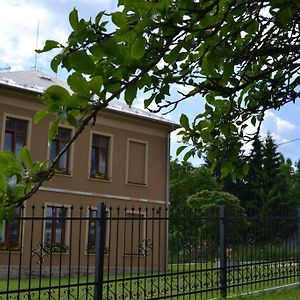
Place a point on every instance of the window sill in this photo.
(5, 248)
(103, 179)
(137, 184)
(93, 252)
(65, 174)
(56, 249)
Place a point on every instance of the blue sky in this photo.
(18, 28)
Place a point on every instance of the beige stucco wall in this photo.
(78, 189)
(121, 128)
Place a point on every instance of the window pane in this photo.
(20, 142)
(99, 154)
(48, 225)
(21, 125)
(102, 167)
(94, 161)
(95, 139)
(92, 229)
(55, 227)
(10, 232)
(63, 162)
(100, 140)
(53, 150)
(104, 141)
(10, 123)
(13, 234)
(8, 141)
(65, 133)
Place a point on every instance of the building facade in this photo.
(121, 160)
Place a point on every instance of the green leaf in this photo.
(77, 101)
(138, 48)
(130, 94)
(180, 149)
(95, 84)
(49, 45)
(40, 115)
(73, 19)
(226, 168)
(81, 62)
(228, 71)
(253, 121)
(25, 157)
(119, 19)
(252, 27)
(3, 185)
(56, 93)
(12, 183)
(246, 169)
(79, 84)
(188, 155)
(172, 56)
(71, 120)
(285, 16)
(113, 88)
(148, 101)
(18, 192)
(184, 121)
(53, 131)
(55, 62)
(9, 165)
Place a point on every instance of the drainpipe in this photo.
(167, 196)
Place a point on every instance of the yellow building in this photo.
(121, 160)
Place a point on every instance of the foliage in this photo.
(186, 180)
(207, 205)
(240, 56)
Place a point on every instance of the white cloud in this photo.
(279, 128)
(92, 2)
(18, 32)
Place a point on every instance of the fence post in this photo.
(223, 258)
(298, 235)
(100, 248)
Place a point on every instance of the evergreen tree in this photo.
(272, 160)
(253, 187)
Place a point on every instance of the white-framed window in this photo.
(63, 136)
(15, 133)
(10, 235)
(100, 159)
(55, 228)
(92, 230)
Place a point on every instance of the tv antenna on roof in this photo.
(36, 42)
(5, 68)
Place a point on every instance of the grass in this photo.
(283, 294)
(178, 279)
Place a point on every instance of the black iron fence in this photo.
(64, 252)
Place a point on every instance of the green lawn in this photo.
(181, 279)
(284, 294)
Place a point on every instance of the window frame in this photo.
(108, 176)
(6, 243)
(88, 222)
(18, 117)
(66, 233)
(69, 153)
